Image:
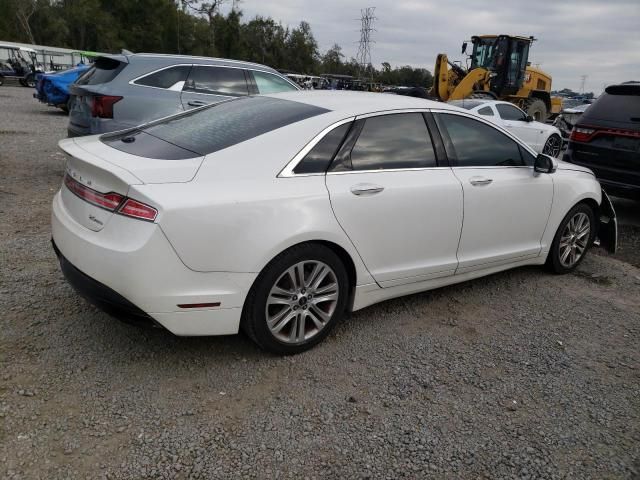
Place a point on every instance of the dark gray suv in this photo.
(123, 91)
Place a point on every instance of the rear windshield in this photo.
(103, 70)
(207, 130)
(618, 106)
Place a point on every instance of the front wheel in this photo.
(296, 300)
(553, 145)
(572, 239)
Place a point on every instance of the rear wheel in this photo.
(296, 300)
(553, 145)
(572, 239)
(536, 108)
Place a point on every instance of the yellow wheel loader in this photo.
(500, 70)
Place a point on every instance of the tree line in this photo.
(189, 27)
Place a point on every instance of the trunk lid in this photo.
(106, 170)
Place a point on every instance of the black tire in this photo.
(1, 80)
(21, 82)
(537, 109)
(553, 145)
(554, 259)
(30, 81)
(254, 315)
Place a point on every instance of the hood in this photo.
(573, 167)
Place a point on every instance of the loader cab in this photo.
(506, 57)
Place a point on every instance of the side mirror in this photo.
(528, 118)
(544, 164)
(464, 48)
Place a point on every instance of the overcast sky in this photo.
(597, 38)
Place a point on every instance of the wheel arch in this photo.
(542, 95)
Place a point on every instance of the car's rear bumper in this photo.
(100, 295)
(130, 270)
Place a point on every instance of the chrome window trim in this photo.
(287, 171)
(133, 80)
(384, 170)
(479, 118)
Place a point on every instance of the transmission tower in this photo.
(363, 58)
(583, 79)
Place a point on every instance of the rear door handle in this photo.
(477, 181)
(362, 189)
(196, 103)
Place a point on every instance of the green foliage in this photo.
(187, 27)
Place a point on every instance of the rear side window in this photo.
(320, 156)
(207, 130)
(486, 111)
(217, 81)
(474, 144)
(393, 141)
(509, 112)
(269, 83)
(166, 78)
(103, 70)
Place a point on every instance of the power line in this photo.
(367, 17)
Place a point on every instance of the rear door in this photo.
(506, 204)
(401, 209)
(211, 84)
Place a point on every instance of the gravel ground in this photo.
(519, 375)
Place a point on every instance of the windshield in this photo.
(484, 50)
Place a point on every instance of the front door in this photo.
(506, 204)
(400, 209)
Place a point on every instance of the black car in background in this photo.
(606, 139)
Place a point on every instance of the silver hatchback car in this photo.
(123, 91)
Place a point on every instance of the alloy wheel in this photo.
(553, 146)
(302, 301)
(574, 239)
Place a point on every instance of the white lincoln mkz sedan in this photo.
(278, 214)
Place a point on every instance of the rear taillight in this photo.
(102, 106)
(114, 202)
(108, 201)
(580, 134)
(586, 134)
(135, 209)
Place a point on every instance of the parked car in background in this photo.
(53, 88)
(568, 117)
(541, 137)
(278, 213)
(123, 91)
(606, 139)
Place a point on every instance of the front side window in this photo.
(393, 141)
(166, 78)
(216, 81)
(509, 112)
(476, 144)
(269, 83)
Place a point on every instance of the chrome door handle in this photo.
(366, 189)
(480, 181)
(196, 103)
